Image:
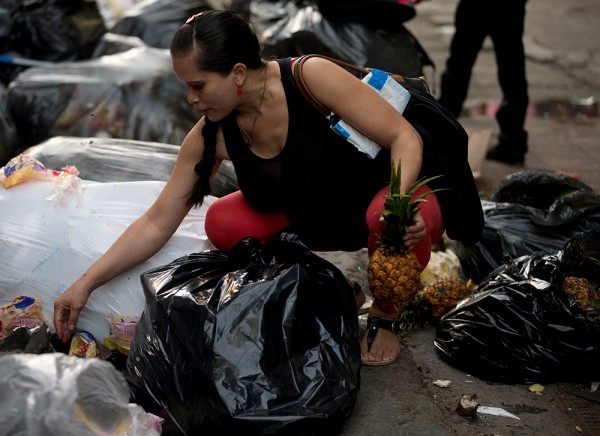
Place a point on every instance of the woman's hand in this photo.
(416, 232)
(67, 308)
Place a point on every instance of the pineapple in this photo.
(444, 293)
(433, 301)
(393, 270)
(583, 292)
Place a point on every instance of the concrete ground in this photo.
(563, 68)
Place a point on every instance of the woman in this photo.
(293, 171)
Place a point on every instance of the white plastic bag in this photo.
(54, 394)
(45, 245)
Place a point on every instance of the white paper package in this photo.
(388, 88)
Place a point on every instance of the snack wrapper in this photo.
(23, 168)
(84, 345)
(22, 311)
(122, 330)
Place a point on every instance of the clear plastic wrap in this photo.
(45, 245)
(122, 160)
(131, 95)
(155, 21)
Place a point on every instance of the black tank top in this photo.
(322, 182)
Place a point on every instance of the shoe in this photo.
(503, 154)
(374, 323)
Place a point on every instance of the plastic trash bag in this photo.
(260, 340)
(520, 325)
(285, 29)
(57, 395)
(46, 245)
(33, 339)
(8, 130)
(112, 9)
(48, 30)
(111, 43)
(155, 21)
(130, 95)
(380, 14)
(122, 160)
(530, 211)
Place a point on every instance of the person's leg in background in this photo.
(507, 35)
(471, 29)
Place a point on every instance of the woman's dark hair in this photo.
(218, 39)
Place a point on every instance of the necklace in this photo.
(248, 137)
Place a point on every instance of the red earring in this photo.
(240, 92)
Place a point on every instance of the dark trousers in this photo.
(503, 21)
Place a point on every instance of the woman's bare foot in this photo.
(385, 349)
(379, 345)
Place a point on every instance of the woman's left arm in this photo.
(361, 106)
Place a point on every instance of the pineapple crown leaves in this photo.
(416, 312)
(399, 209)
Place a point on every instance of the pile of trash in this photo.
(110, 74)
(90, 122)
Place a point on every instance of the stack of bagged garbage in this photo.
(90, 122)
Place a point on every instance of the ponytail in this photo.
(204, 168)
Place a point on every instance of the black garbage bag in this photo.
(262, 339)
(122, 160)
(380, 14)
(286, 29)
(521, 326)
(34, 339)
(48, 30)
(529, 211)
(131, 95)
(8, 130)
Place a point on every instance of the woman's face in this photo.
(212, 94)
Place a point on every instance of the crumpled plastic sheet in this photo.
(155, 21)
(45, 246)
(132, 95)
(122, 160)
(53, 394)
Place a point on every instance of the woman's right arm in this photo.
(143, 238)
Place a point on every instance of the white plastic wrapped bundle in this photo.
(47, 241)
(53, 394)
